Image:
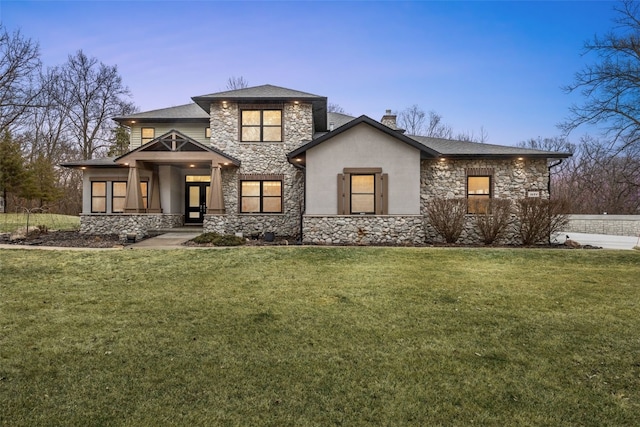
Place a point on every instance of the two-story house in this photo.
(270, 159)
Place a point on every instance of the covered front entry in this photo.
(175, 151)
(198, 192)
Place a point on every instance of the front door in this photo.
(196, 203)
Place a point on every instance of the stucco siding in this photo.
(363, 147)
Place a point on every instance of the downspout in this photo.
(304, 195)
(549, 181)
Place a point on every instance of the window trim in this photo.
(381, 188)
(261, 108)
(261, 178)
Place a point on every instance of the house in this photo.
(270, 159)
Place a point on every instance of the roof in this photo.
(428, 152)
(466, 149)
(432, 147)
(185, 113)
(269, 93)
(104, 162)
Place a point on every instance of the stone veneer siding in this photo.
(616, 225)
(124, 224)
(511, 179)
(364, 230)
(262, 158)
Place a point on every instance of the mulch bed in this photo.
(65, 239)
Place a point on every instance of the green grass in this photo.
(10, 222)
(320, 336)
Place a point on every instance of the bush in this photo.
(494, 223)
(447, 217)
(540, 218)
(216, 239)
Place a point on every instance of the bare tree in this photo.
(412, 120)
(481, 138)
(234, 82)
(92, 94)
(19, 66)
(611, 86)
(335, 108)
(437, 129)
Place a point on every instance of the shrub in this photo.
(447, 217)
(540, 218)
(494, 223)
(216, 239)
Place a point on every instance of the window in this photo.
(478, 194)
(261, 125)
(363, 191)
(148, 134)
(363, 194)
(98, 197)
(118, 196)
(260, 196)
(207, 133)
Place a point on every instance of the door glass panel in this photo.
(194, 215)
(194, 196)
(207, 194)
(198, 178)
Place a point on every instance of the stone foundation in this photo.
(364, 230)
(248, 225)
(127, 224)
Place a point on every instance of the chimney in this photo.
(389, 120)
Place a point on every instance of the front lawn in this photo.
(11, 222)
(287, 336)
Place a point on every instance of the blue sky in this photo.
(498, 65)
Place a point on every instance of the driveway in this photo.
(602, 240)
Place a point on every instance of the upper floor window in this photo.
(148, 134)
(261, 125)
(207, 133)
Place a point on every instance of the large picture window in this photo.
(98, 197)
(261, 125)
(478, 194)
(260, 196)
(363, 191)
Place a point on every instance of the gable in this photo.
(173, 147)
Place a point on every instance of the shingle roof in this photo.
(262, 92)
(454, 148)
(104, 162)
(187, 112)
(433, 147)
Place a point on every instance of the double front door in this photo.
(196, 203)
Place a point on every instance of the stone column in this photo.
(133, 199)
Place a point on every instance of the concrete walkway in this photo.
(164, 241)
